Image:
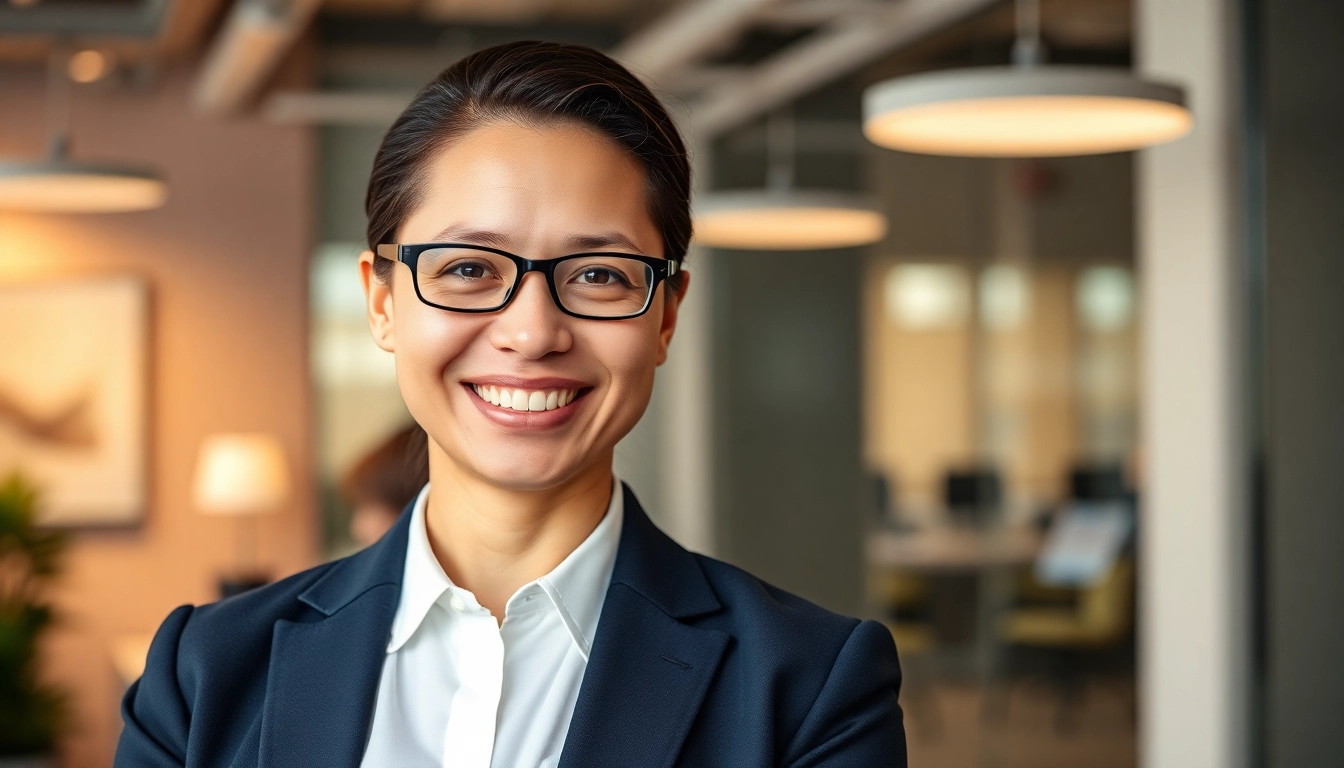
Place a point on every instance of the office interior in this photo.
(1069, 425)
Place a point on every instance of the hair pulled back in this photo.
(532, 83)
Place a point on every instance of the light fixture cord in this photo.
(58, 101)
(1027, 47)
(780, 144)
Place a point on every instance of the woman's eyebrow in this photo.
(467, 234)
(603, 240)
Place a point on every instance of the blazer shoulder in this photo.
(263, 605)
(235, 633)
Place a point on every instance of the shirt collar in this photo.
(576, 588)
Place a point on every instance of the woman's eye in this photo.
(468, 270)
(599, 276)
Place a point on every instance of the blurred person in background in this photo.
(383, 482)
(528, 218)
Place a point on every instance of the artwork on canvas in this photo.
(73, 397)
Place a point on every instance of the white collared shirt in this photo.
(460, 690)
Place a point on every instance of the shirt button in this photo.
(457, 604)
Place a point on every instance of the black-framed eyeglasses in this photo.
(460, 277)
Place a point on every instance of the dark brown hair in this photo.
(532, 83)
(392, 473)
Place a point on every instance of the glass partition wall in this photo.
(1000, 324)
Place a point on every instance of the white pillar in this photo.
(1194, 631)
(687, 400)
(686, 397)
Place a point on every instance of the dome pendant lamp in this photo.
(60, 185)
(1028, 109)
(781, 217)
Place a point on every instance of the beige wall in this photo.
(226, 261)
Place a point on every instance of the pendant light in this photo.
(1028, 109)
(61, 185)
(781, 217)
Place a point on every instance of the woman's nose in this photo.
(532, 325)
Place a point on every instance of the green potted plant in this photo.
(31, 713)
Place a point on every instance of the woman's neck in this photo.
(491, 540)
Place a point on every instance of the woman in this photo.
(528, 217)
(382, 482)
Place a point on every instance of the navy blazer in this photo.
(694, 663)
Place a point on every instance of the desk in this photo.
(987, 555)
(953, 548)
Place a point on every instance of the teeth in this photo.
(523, 400)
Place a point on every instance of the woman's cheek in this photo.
(630, 355)
(429, 341)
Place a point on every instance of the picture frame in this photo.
(74, 400)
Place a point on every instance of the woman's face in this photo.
(538, 193)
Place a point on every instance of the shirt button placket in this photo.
(470, 734)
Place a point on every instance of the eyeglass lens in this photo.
(598, 285)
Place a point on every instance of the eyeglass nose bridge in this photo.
(526, 266)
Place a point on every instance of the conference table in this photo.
(962, 563)
(953, 547)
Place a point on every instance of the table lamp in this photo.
(241, 474)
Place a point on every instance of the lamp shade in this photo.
(240, 474)
(1023, 111)
(61, 186)
(787, 219)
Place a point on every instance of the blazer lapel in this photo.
(323, 678)
(648, 672)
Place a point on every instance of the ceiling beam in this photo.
(335, 107)
(253, 41)
(685, 35)
(812, 13)
(834, 51)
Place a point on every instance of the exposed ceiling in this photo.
(726, 60)
(132, 30)
(494, 11)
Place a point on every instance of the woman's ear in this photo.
(671, 304)
(378, 297)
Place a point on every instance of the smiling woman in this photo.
(528, 217)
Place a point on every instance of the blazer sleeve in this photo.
(855, 721)
(154, 711)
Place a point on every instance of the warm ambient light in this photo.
(60, 186)
(88, 66)
(240, 474)
(787, 220)
(1023, 111)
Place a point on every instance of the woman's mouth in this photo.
(525, 400)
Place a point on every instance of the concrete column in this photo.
(1194, 630)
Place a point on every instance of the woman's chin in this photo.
(524, 473)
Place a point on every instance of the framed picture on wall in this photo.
(74, 364)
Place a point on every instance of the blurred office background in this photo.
(1071, 426)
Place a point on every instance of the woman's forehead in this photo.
(554, 185)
